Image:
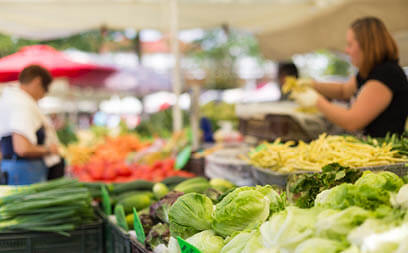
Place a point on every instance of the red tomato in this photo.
(110, 173)
(124, 170)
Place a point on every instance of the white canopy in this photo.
(284, 27)
(326, 27)
(45, 19)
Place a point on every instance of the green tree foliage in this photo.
(217, 52)
(87, 41)
(337, 66)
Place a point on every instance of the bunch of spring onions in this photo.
(55, 206)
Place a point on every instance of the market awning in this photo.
(44, 19)
(326, 28)
(56, 62)
(284, 27)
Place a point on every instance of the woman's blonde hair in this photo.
(375, 42)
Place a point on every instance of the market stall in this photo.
(133, 190)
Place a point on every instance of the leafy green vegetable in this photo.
(66, 134)
(368, 228)
(370, 191)
(247, 205)
(160, 209)
(190, 214)
(351, 249)
(302, 189)
(244, 242)
(384, 180)
(159, 233)
(398, 142)
(207, 242)
(339, 197)
(401, 198)
(391, 240)
(334, 224)
(319, 245)
(287, 229)
(277, 202)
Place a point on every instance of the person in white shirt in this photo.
(23, 128)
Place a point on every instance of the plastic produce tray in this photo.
(86, 239)
(225, 164)
(265, 176)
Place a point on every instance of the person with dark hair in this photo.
(23, 128)
(380, 86)
(286, 69)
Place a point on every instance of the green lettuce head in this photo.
(373, 189)
(287, 229)
(335, 224)
(190, 214)
(277, 203)
(394, 182)
(244, 242)
(338, 197)
(384, 180)
(243, 209)
(319, 245)
(352, 249)
(207, 242)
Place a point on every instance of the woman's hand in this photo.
(307, 98)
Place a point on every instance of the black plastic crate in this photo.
(116, 239)
(137, 247)
(86, 239)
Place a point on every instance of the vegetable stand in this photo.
(331, 208)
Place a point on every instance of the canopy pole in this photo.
(195, 115)
(176, 79)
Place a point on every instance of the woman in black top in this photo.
(381, 86)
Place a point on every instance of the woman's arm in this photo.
(372, 100)
(24, 148)
(342, 91)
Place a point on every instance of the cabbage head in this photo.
(277, 202)
(243, 209)
(287, 229)
(244, 242)
(319, 245)
(207, 242)
(338, 197)
(190, 214)
(384, 180)
(335, 224)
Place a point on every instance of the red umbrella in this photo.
(56, 62)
